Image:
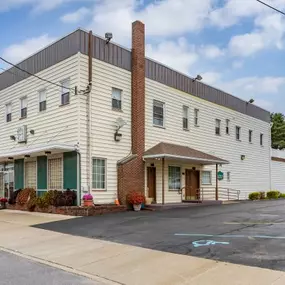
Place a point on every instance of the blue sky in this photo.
(236, 45)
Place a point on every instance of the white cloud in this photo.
(76, 16)
(20, 51)
(176, 54)
(237, 64)
(211, 51)
(211, 77)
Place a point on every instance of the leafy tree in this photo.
(278, 131)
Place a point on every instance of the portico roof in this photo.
(180, 152)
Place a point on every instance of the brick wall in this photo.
(131, 173)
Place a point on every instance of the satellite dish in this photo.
(120, 123)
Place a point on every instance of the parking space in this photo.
(249, 233)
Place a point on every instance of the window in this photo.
(196, 117)
(65, 94)
(238, 133)
(116, 99)
(227, 127)
(42, 100)
(9, 112)
(206, 177)
(250, 136)
(261, 139)
(55, 174)
(31, 174)
(228, 176)
(24, 104)
(185, 117)
(99, 174)
(174, 178)
(158, 113)
(218, 127)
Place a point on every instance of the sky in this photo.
(236, 45)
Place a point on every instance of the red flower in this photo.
(135, 198)
(3, 200)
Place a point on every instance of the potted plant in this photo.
(88, 200)
(3, 202)
(136, 199)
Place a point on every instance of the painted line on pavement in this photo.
(230, 236)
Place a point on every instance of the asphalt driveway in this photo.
(249, 233)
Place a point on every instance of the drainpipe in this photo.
(78, 178)
(89, 109)
(163, 186)
(217, 182)
(270, 157)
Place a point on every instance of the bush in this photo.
(135, 198)
(51, 197)
(31, 205)
(41, 202)
(14, 196)
(262, 195)
(254, 196)
(24, 196)
(282, 195)
(273, 194)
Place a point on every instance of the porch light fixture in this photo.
(27, 156)
(197, 78)
(10, 158)
(32, 132)
(108, 37)
(251, 101)
(242, 157)
(47, 153)
(13, 138)
(117, 136)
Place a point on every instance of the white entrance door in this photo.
(31, 174)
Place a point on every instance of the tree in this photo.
(278, 131)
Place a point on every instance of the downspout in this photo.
(270, 156)
(89, 111)
(78, 178)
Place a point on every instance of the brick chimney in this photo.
(131, 170)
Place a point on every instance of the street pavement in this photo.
(248, 233)
(15, 270)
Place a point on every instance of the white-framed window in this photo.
(228, 176)
(42, 100)
(31, 174)
(116, 99)
(227, 126)
(185, 117)
(196, 117)
(23, 107)
(65, 92)
(261, 139)
(8, 112)
(55, 174)
(238, 133)
(174, 178)
(206, 177)
(99, 174)
(250, 136)
(158, 113)
(218, 127)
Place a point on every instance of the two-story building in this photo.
(93, 116)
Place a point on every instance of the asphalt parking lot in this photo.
(249, 233)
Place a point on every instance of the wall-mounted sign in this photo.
(22, 134)
(220, 175)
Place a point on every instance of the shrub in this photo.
(135, 198)
(282, 195)
(262, 195)
(32, 204)
(254, 196)
(41, 202)
(24, 196)
(51, 197)
(66, 198)
(14, 196)
(273, 194)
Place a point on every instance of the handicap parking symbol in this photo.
(199, 243)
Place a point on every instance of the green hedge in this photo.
(254, 196)
(273, 194)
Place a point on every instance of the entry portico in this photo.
(176, 169)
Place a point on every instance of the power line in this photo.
(273, 8)
(31, 74)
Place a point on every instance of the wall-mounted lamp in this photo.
(10, 158)
(251, 101)
(32, 132)
(47, 153)
(108, 37)
(27, 156)
(117, 136)
(13, 138)
(197, 78)
(242, 157)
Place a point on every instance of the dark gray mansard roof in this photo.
(121, 57)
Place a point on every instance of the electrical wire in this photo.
(36, 76)
(271, 7)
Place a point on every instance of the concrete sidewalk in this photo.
(112, 263)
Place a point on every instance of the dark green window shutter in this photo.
(19, 173)
(42, 172)
(70, 170)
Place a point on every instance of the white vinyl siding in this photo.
(65, 92)
(185, 118)
(99, 174)
(55, 174)
(158, 113)
(31, 174)
(9, 112)
(116, 99)
(174, 178)
(206, 178)
(23, 107)
(42, 100)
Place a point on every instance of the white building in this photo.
(62, 132)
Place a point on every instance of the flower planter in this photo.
(3, 205)
(137, 207)
(88, 203)
(148, 201)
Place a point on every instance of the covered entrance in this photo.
(175, 175)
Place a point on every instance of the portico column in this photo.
(163, 194)
(217, 182)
